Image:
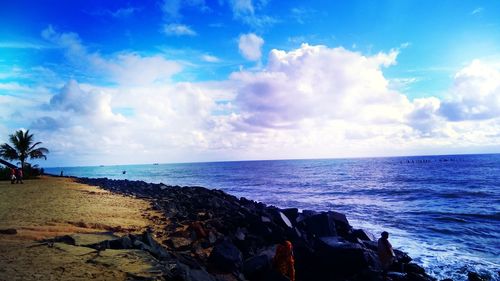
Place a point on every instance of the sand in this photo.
(49, 207)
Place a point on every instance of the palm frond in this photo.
(22, 147)
(39, 153)
(8, 152)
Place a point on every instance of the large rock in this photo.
(363, 235)
(285, 220)
(256, 267)
(292, 214)
(342, 224)
(154, 247)
(473, 276)
(320, 225)
(341, 257)
(225, 257)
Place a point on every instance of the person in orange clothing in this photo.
(283, 260)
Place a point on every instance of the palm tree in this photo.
(23, 148)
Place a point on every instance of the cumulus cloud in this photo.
(475, 94)
(178, 30)
(314, 101)
(317, 82)
(164, 118)
(250, 46)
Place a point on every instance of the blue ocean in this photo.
(443, 210)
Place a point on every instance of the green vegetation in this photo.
(23, 148)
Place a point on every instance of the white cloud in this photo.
(313, 101)
(301, 15)
(250, 46)
(178, 30)
(319, 82)
(172, 8)
(120, 13)
(210, 58)
(124, 12)
(477, 11)
(246, 12)
(242, 7)
(475, 94)
(123, 68)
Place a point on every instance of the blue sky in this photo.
(201, 80)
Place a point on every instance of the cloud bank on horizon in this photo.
(176, 81)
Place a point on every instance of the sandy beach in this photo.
(50, 207)
(102, 229)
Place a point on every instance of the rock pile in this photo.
(210, 235)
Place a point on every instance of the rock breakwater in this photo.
(210, 235)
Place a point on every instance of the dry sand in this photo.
(50, 207)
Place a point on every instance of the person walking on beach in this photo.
(12, 176)
(19, 175)
(385, 251)
(283, 260)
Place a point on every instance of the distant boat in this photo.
(101, 165)
(155, 164)
(124, 172)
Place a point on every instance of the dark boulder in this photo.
(199, 275)
(320, 225)
(344, 258)
(363, 235)
(121, 243)
(273, 275)
(402, 257)
(292, 214)
(415, 268)
(396, 276)
(341, 223)
(285, 220)
(412, 276)
(473, 276)
(67, 239)
(255, 268)
(225, 257)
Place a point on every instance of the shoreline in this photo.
(187, 225)
(326, 246)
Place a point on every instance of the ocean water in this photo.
(443, 210)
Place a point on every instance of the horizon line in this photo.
(282, 159)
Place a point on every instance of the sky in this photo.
(130, 82)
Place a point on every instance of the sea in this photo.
(443, 210)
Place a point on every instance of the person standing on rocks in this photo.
(283, 260)
(385, 251)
